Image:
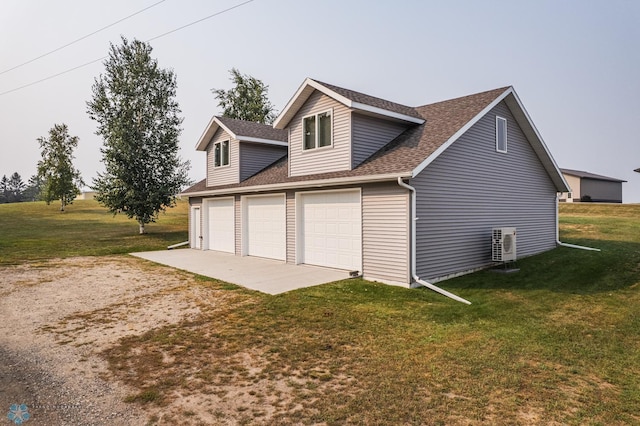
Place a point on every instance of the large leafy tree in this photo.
(59, 179)
(247, 100)
(134, 104)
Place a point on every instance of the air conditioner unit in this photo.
(503, 244)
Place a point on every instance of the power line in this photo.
(80, 39)
(99, 59)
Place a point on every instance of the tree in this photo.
(137, 114)
(247, 100)
(16, 188)
(33, 189)
(4, 189)
(60, 180)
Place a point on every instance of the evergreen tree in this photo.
(247, 100)
(60, 180)
(32, 191)
(4, 189)
(15, 187)
(137, 114)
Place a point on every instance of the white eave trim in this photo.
(459, 133)
(386, 113)
(207, 134)
(260, 140)
(213, 126)
(474, 120)
(352, 180)
(287, 114)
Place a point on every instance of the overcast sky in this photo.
(574, 64)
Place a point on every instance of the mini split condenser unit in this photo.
(503, 244)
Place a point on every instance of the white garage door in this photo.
(332, 232)
(265, 226)
(221, 225)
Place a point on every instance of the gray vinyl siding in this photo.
(255, 157)
(601, 191)
(321, 160)
(385, 233)
(291, 226)
(227, 174)
(470, 188)
(369, 135)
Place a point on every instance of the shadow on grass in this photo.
(565, 270)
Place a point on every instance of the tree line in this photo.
(14, 190)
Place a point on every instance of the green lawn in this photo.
(556, 343)
(32, 231)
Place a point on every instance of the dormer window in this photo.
(221, 154)
(501, 134)
(317, 130)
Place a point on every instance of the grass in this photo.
(34, 231)
(556, 343)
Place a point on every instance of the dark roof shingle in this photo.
(255, 130)
(402, 155)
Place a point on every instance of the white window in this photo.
(221, 154)
(501, 134)
(316, 130)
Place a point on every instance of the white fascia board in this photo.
(459, 133)
(286, 114)
(540, 140)
(261, 140)
(386, 113)
(210, 131)
(207, 134)
(353, 180)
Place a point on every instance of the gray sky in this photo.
(574, 63)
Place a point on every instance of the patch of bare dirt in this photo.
(57, 316)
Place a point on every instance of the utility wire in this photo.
(99, 59)
(80, 39)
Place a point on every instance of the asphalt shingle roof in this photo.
(372, 100)
(587, 175)
(403, 154)
(255, 130)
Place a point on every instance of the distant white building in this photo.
(86, 195)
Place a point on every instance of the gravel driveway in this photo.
(55, 319)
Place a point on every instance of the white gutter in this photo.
(319, 183)
(560, 243)
(414, 275)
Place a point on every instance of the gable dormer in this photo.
(334, 129)
(238, 149)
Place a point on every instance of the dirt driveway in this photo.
(57, 316)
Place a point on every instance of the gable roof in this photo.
(349, 98)
(587, 175)
(246, 131)
(409, 153)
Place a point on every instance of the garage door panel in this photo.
(266, 227)
(331, 229)
(221, 225)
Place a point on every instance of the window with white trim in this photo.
(501, 134)
(317, 131)
(221, 154)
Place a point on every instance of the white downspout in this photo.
(560, 243)
(414, 275)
